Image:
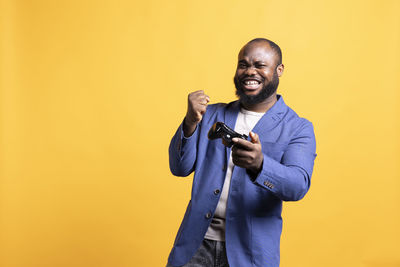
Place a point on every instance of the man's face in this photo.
(256, 76)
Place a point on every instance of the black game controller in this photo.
(221, 130)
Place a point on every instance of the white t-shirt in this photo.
(245, 122)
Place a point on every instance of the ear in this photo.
(279, 69)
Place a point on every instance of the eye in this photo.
(260, 66)
(242, 65)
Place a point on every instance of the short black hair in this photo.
(273, 45)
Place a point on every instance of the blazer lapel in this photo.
(271, 118)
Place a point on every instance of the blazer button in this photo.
(216, 192)
(268, 184)
(208, 215)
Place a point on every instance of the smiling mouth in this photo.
(250, 84)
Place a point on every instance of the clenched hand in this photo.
(197, 105)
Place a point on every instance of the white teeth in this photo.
(251, 82)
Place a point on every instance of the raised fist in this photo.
(197, 105)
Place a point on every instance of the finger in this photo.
(236, 162)
(255, 139)
(198, 92)
(195, 94)
(241, 143)
(203, 102)
(203, 99)
(241, 162)
(241, 153)
(202, 109)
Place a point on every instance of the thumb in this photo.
(255, 139)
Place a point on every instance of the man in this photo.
(234, 214)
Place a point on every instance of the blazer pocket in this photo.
(274, 150)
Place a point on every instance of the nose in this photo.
(250, 71)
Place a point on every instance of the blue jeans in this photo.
(210, 254)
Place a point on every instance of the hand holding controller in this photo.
(221, 130)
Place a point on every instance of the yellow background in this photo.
(92, 91)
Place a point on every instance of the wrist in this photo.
(257, 169)
(188, 127)
(190, 121)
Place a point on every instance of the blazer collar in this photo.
(269, 120)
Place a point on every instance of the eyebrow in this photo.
(256, 62)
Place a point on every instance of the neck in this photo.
(263, 106)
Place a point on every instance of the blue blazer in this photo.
(253, 215)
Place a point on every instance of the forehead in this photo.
(258, 51)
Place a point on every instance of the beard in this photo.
(265, 92)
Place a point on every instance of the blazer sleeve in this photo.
(183, 151)
(290, 179)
